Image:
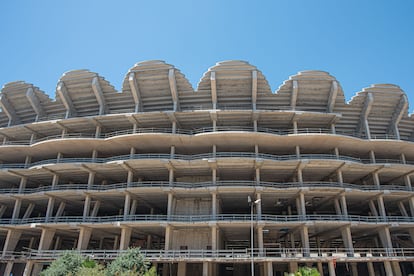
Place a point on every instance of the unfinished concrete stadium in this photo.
(229, 179)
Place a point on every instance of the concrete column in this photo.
(340, 177)
(333, 130)
(29, 211)
(367, 131)
(174, 127)
(354, 269)
(268, 269)
(381, 206)
(98, 131)
(127, 205)
(214, 239)
(214, 204)
(257, 176)
(171, 177)
(214, 176)
(347, 238)
(8, 269)
(95, 209)
(22, 185)
(12, 238)
(396, 268)
(182, 267)
(259, 206)
(371, 270)
(170, 204)
(402, 209)
(411, 204)
(297, 152)
(55, 180)
(388, 268)
(293, 267)
(300, 176)
(372, 156)
(91, 179)
(373, 208)
(133, 207)
(304, 235)
(300, 204)
(295, 127)
(46, 238)
(168, 234)
(130, 177)
(84, 237)
(116, 242)
(16, 209)
(87, 206)
(50, 207)
(337, 207)
(376, 180)
(28, 268)
(206, 269)
(260, 239)
(402, 157)
(125, 238)
(2, 210)
(331, 268)
(320, 268)
(407, 181)
(172, 152)
(344, 205)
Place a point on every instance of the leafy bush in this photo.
(132, 262)
(67, 264)
(305, 271)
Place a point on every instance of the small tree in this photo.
(67, 264)
(305, 271)
(132, 262)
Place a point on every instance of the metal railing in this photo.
(191, 157)
(244, 255)
(299, 131)
(205, 184)
(207, 218)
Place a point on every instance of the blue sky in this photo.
(358, 42)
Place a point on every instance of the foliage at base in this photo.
(305, 271)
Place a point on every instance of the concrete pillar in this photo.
(376, 179)
(396, 268)
(257, 176)
(293, 267)
(371, 270)
(91, 179)
(214, 176)
(84, 237)
(95, 209)
(16, 209)
(259, 206)
(340, 177)
(347, 238)
(29, 211)
(116, 242)
(260, 239)
(174, 127)
(133, 207)
(320, 268)
(8, 269)
(268, 268)
(331, 268)
(12, 238)
(125, 238)
(367, 131)
(127, 205)
(337, 207)
(411, 204)
(372, 156)
(50, 206)
(304, 235)
(297, 151)
(98, 131)
(130, 177)
(344, 206)
(182, 267)
(55, 180)
(28, 268)
(381, 206)
(172, 152)
(170, 204)
(407, 181)
(255, 125)
(388, 268)
(171, 177)
(402, 209)
(168, 233)
(333, 130)
(206, 269)
(354, 269)
(295, 127)
(214, 205)
(373, 208)
(87, 206)
(214, 239)
(300, 204)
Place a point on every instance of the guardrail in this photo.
(206, 184)
(339, 254)
(191, 157)
(207, 218)
(310, 131)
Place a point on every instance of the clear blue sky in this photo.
(358, 42)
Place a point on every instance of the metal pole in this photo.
(251, 237)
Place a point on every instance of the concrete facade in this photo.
(169, 169)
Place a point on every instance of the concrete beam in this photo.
(399, 112)
(254, 89)
(136, 94)
(294, 96)
(66, 100)
(97, 90)
(173, 89)
(9, 110)
(213, 89)
(363, 119)
(332, 96)
(35, 103)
